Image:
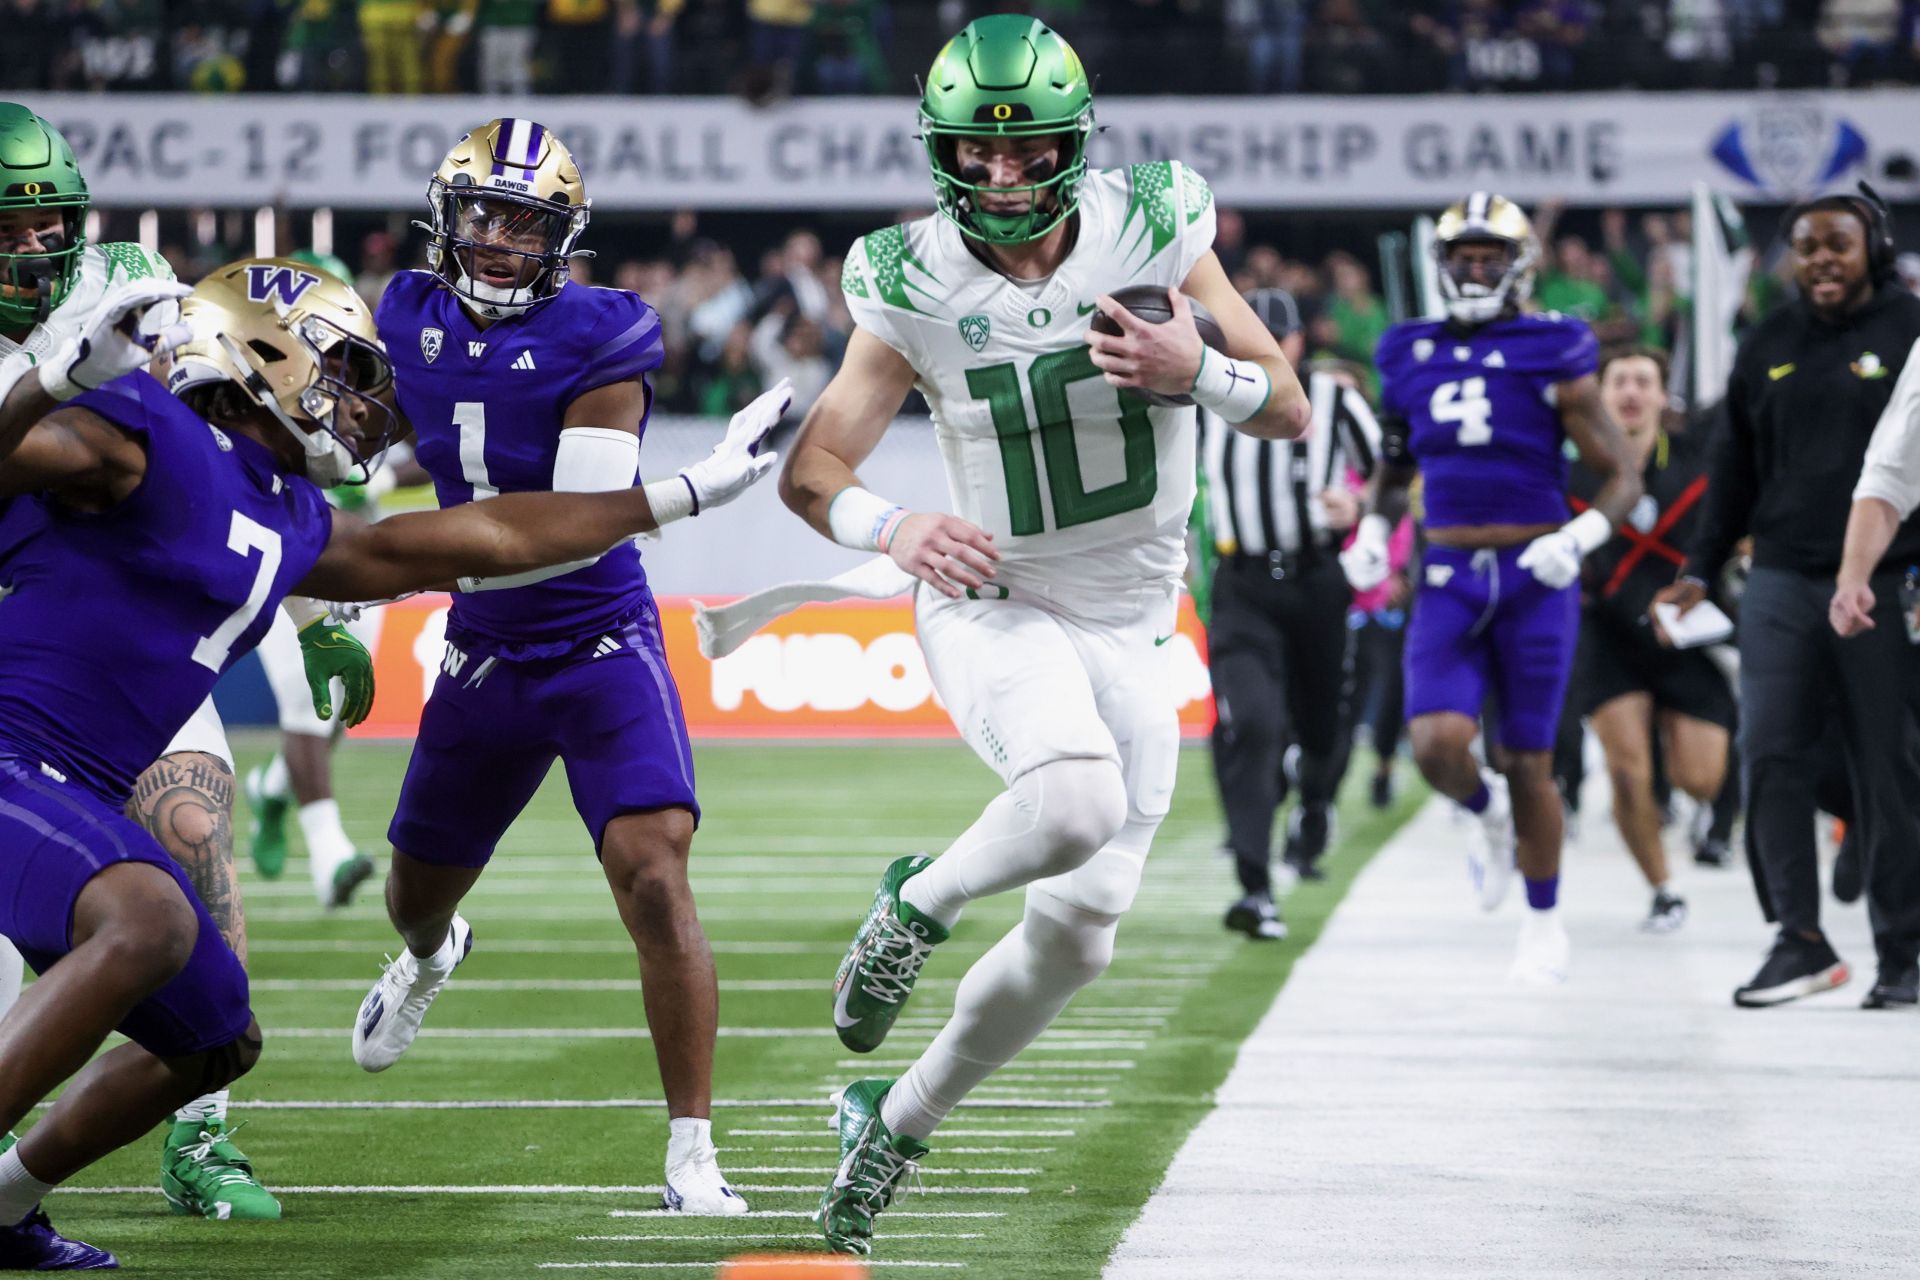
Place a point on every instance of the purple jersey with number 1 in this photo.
(113, 628)
(1485, 430)
(572, 668)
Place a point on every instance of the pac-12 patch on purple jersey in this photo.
(116, 625)
(487, 407)
(1483, 425)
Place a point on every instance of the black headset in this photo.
(1874, 215)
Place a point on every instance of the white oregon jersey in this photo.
(1080, 484)
(101, 266)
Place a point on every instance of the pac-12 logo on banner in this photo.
(1790, 150)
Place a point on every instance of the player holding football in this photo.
(515, 381)
(1480, 403)
(51, 280)
(194, 513)
(1041, 605)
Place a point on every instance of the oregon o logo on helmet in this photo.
(1002, 111)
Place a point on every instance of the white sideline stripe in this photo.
(791, 1235)
(945, 1151)
(536, 1189)
(592, 1104)
(620, 984)
(892, 1214)
(528, 946)
(951, 1133)
(821, 1261)
(548, 1033)
(885, 1064)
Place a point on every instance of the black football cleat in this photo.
(33, 1245)
(1795, 967)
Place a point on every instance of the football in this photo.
(1154, 304)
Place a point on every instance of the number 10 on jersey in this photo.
(1048, 377)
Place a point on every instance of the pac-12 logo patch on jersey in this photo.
(976, 329)
(431, 340)
(283, 285)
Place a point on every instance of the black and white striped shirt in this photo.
(1260, 493)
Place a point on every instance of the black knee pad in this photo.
(221, 1066)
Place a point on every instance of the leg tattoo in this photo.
(185, 801)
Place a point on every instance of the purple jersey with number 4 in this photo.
(487, 407)
(1479, 405)
(115, 626)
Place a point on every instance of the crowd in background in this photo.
(763, 49)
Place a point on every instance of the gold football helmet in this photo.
(1484, 218)
(508, 207)
(299, 343)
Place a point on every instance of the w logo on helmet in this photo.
(267, 282)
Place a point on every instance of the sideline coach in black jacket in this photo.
(1807, 389)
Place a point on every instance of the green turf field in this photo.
(1037, 1176)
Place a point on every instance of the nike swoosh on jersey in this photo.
(1779, 371)
(1160, 640)
(840, 1018)
(1081, 309)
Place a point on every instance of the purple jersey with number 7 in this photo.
(1479, 406)
(114, 626)
(487, 407)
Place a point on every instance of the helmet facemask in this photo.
(33, 284)
(526, 242)
(1474, 301)
(1053, 189)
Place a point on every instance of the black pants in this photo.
(1282, 675)
(1796, 679)
(1380, 684)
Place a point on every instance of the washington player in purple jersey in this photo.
(515, 381)
(190, 513)
(1480, 403)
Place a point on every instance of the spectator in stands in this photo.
(453, 22)
(644, 35)
(849, 39)
(27, 54)
(792, 346)
(776, 43)
(1274, 35)
(735, 380)
(580, 52)
(377, 266)
(509, 31)
(1356, 311)
(318, 46)
(390, 31)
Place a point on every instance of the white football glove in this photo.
(134, 324)
(1554, 558)
(1366, 562)
(736, 464)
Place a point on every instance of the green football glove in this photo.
(331, 652)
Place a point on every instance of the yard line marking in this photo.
(793, 1235)
(892, 1214)
(529, 946)
(834, 1149)
(827, 1169)
(535, 1189)
(601, 1104)
(551, 1033)
(1102, 1064)
(951, 1133)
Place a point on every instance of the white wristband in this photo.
(1234, 389)
(303, 611)
(671, 499)
(54, 381)
(863, 521)
(1590, 529)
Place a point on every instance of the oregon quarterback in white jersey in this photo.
(1040, 603)
(52, 283)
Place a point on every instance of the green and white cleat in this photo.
(267, 829)
(7, 1141)
(873, 1163)
(203, 1173)
(884, 962)
(346, 878)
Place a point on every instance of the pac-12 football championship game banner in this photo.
(849, 670)
(141, 150)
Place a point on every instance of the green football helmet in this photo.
(38, 171)
(1007, 76)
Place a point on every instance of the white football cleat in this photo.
(696, 1187)
(1541, 958)
(391, 1014)
(1490, 846)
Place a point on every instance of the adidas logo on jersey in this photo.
(607, 644)
(524, 360)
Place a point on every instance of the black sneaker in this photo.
(1257, 917)
(1846, 866)
(1308, 831)
(1896, 986)
(1668, 914)
(1381, 797)
(1795, 967)
(1712, 851)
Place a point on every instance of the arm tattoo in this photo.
(185, 801)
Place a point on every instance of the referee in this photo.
(1278, 642)
(1808, 387)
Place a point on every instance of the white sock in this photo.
(443, 958)
(274, 782)
(208, 1106)
(19, 1190)
(687, 1135)
(1009, 996)
(13, 972)
(327, 843)
(1048, 822)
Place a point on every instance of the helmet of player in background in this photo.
(1484, 218)
(507, 206)
(1007, 76)
(284, 337)
(38, 172)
